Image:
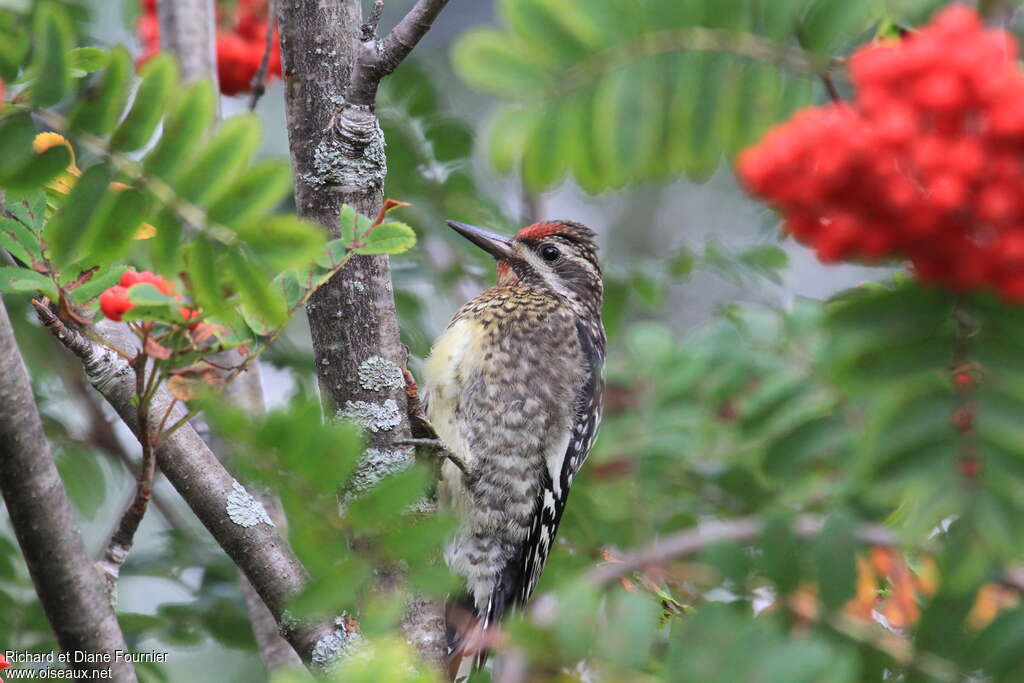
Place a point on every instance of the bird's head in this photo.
(560, 256)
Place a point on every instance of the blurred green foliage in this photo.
(844, 411)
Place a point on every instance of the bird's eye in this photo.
(550, 253)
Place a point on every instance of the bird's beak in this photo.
(498, 246)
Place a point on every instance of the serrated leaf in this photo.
(202, 272)
(114, 226)
(52, 41)
(159, 78)
(63, 233)
(220, 159)
(14, 279)
(152, 304)
(351, 223)
(262, 305)
(13, 49)
(16, 134)
(98, 284)
(494, 62)
(259, 190)
(38, 170)
(87, 60)
(282, 241)
(98, 109)
(388, 238)
(190, 116)
(507, 135)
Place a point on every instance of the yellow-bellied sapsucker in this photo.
(513, 389)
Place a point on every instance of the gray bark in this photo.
(332, 66)
(239, 524)
(187, 32)
(246, 392)
(69, 587)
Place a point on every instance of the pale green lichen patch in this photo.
(380, 374)
(377, 417)
(244, 510)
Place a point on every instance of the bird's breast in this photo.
(454, 362)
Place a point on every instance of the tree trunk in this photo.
(69, 587)
(337, 150)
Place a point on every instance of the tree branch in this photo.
(238, 523)
(69, 589)
(258, 84)
(378, 58)
(691, 541)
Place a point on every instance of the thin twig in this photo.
(258, 85)
(123, 538)
(369, 27)
(743, 530)
(438, 447)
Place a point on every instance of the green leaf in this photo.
(86, 60)
(16, 239)
(16, 135)
(494, 62)
(547, 147)
(351, 223)
(388, 238)
(152, 304)
(259, 190)
(781, 552)
(836, 549)
(52, 41)
(98, 109)
(83, 478)
(38, 170)
(507, 135)
(159, 79)
(333, 253)
(14, 279)
(113, 228)
(262, 304)
(627, 108)
(30, 210)
(220, 159)
(64, 232)
(100, 282)
(283, 241)
(997, 650)
(388, 500)
(203, 276)
(190, 116)
(13, 49)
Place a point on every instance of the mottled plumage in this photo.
(513, 388)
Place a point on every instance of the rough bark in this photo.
(239, 524)
(332, 66)
(69, 588)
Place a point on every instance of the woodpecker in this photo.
(513, 389)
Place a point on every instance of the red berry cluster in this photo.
(241, 40)
(925, 164)
(114, 302)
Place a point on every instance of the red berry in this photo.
(115, 303)
(188, 314)
(963, 380)
(131, 277)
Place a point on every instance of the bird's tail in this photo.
(469, 629)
